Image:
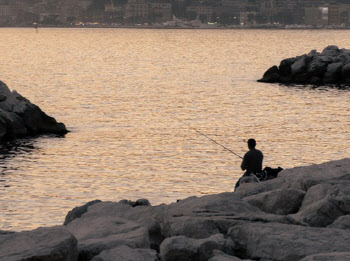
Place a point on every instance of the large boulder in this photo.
(102, 227)
(200, 217)
(279, 201)
(125, 253)
(44, 244)
(19, 117)
(184, 248)
(342, 222)
(283, 242)
(324, 203)
(78, 211)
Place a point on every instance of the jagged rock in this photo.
(334, 256)
(331, 50)
(78, 211)
(342, 222)
(184, 248)
(283, 242)
(220, 256)
(324, 203)
(279, 201)
(44, 244)
(299, 66)
(328, 67)
(125, 253)
(285, 66)
(19, 117)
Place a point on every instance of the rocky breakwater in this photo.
(330, 67)
(303, 214)
(19, 117)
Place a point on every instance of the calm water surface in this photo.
(120, 92)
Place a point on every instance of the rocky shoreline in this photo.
(303, 214)
(330, 67)
(20, 118)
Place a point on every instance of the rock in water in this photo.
(19, 117)
(331, 67)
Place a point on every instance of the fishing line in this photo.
(201, 133)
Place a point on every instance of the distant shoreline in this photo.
(262, 27)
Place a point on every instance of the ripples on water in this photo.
(120, 93)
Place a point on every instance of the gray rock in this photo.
(286, 242)
(317, 68)
(331, 50)
(346, 72)
(78, 211)
(220, 256)
(44, 244)
(125, 253)
(279, 201)
(324, 203)
(285, 66)
(342, 222)
(204, 216)
(299, 66)
(334, 256)
(333, 73)
(107, 225)
(184, 248)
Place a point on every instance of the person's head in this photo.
(251, 144)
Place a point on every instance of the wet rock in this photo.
(44, 244)
(19, 117)
(279, 201)
(334, 256)
(342, 222)
(78, 211)
(125, 253)
(283, 242)
(184, 248)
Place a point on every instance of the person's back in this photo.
(252, 160)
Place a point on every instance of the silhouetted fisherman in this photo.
(252, 161)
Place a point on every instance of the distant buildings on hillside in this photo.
(129, 12)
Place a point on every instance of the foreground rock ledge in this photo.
(19, 117)
(301, 215)
(330, 67)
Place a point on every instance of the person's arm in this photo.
(244, 164)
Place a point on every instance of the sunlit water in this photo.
(121, 92)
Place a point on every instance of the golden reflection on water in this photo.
(120, 93)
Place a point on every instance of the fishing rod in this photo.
(201, 133)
